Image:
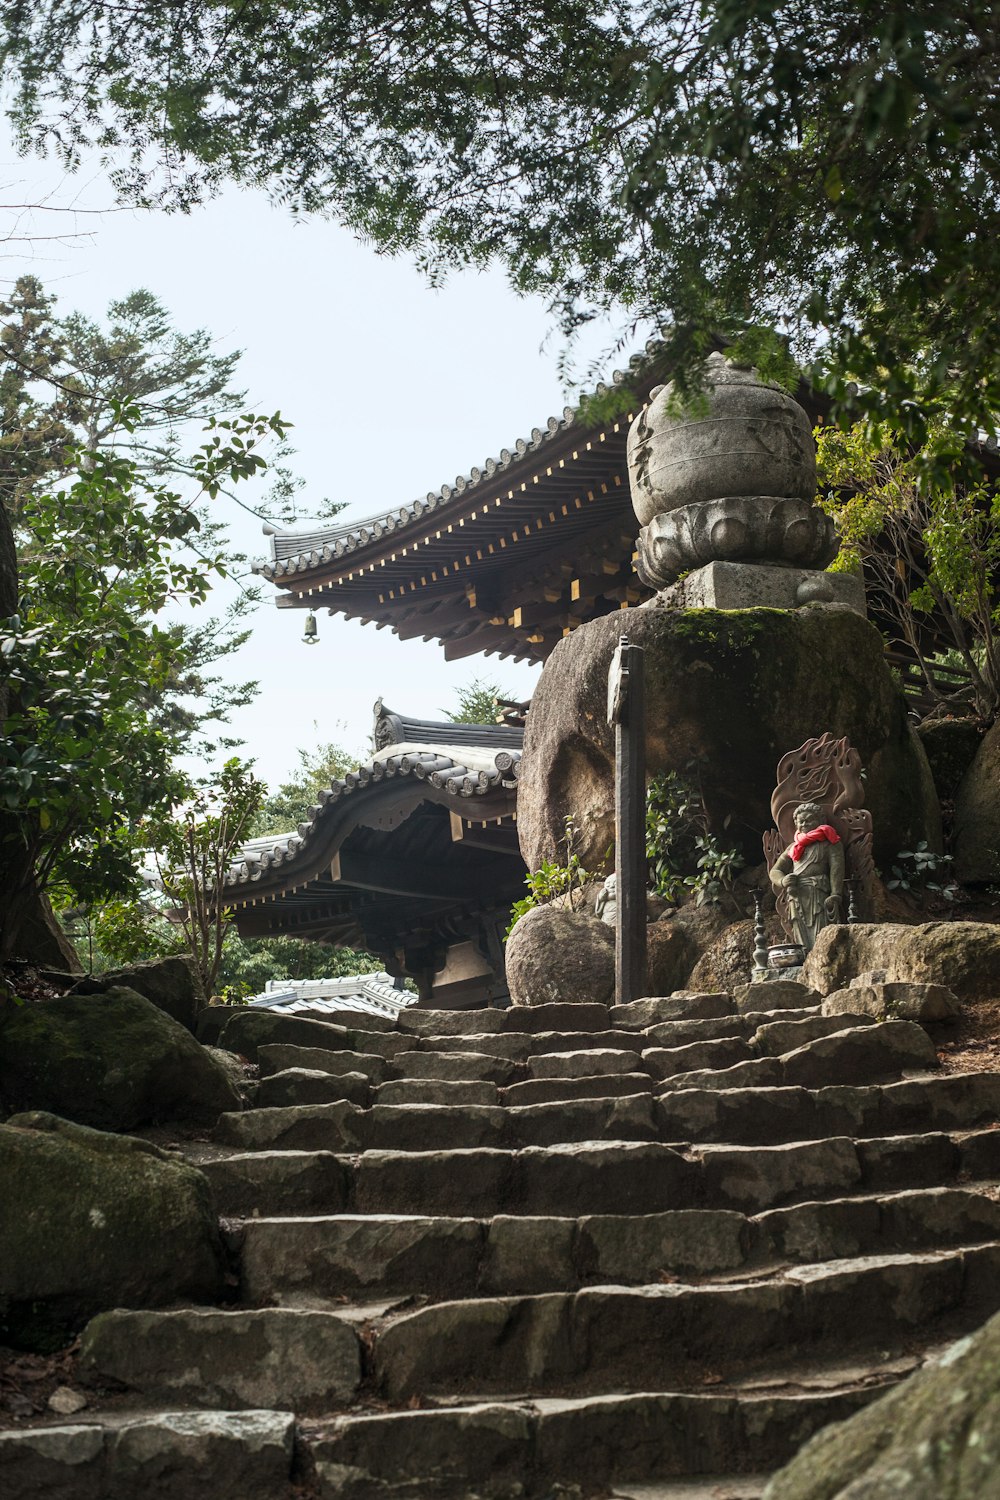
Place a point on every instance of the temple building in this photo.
(414, 855)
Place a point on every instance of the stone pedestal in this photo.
(734, 585)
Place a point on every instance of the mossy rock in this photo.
(112, 1060)
(173, 984)
(977, 816)
(730, 690)
(95, 1221)
(935, 1437)
(950, 746)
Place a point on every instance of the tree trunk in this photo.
(28, 928)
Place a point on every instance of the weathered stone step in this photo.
(163, 1455)
(583, 1017)
(630, 1177)
(628, 1339)
(234, 1358)
(855, 1055)
(725, 1052)
(438, 1091)
(957, 1101)
(499, 1450)
(276, 1057)
(683, 1006)
(755, 1115)
(383, 1255)
(774, 1036)
(560, 1090)
(345, 1127)
(295, 1086)
(454, 1066)
(518, 1046)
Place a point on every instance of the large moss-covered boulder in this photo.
(950, 746)
(977, 816)
(730, 690)
(92, 1221)
(173, 984)
(935, 1437)
(112, 1060)
(559, 957)
(963, 956)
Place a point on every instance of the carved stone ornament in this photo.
(826, 773)
(742, 436)
(745, 528)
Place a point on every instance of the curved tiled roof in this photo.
(297, 551)
(366, 994)
(446, 769)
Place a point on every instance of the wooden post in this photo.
(627, 712)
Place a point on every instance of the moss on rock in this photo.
(111, 1060)
(94, 1221)
(731, 690)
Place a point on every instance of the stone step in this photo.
(611, 1177)
(379, 1256)
(855, 1055)
(560, 1090)
(162, 1455)
(774, 1037)
(456, 1067)
(957, 1101)
(438, 1091)
(591, 1063)
(273, 1356)
(583, 1017)
(295, 1086)
(422, 1127)
(682, 1006)
(635, 1339)
(276, 1057)
(518, 1046)
(690, 1057)
(499, 1450)
(754, 1115)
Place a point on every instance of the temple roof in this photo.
(352, 994)
(508, 558)
(403, 852)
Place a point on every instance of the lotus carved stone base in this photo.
(743, 528)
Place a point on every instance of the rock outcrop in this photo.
(963, 956)
(93, 1221)
(977, 816)
(732, 691)
(555, 957)
(110, 1060)
(172, 984)
(935, 1437)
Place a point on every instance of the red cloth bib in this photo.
(824, 833)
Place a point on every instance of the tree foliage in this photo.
(88, 746)
(929, 545)
(477, 702)
(194, 850)
(729, 167)
(291, 804)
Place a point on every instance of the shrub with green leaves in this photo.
(685, 858)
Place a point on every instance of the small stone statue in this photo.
(811, 874)
(606, 906)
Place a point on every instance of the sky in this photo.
(394, 389)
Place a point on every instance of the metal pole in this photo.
(627, 711)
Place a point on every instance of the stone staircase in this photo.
(561, 1251)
